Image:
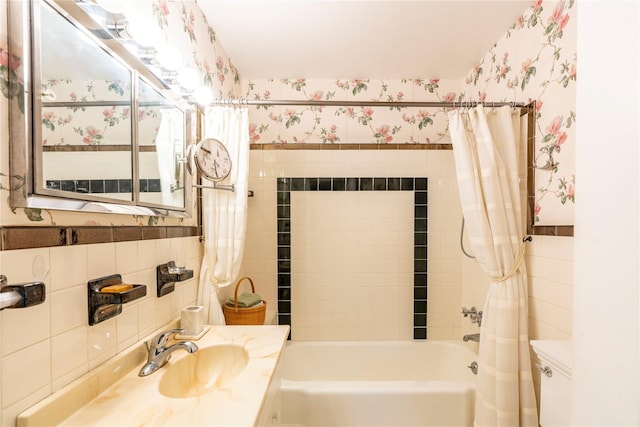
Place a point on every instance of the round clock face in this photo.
(212, 159)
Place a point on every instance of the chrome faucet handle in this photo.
(161, 339)
(467, 311)
(479, 318)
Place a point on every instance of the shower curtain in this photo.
(485, 148)
(224, 213)
(169, 131)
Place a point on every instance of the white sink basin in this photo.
(208, 369)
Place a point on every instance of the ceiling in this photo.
(359, 39)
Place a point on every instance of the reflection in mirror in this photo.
(161, 129)
(86, 136)
(92, 127)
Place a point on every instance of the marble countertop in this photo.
(114, 395)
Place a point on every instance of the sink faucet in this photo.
(471, 337)
(159, 353)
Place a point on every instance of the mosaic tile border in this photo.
(419, 186)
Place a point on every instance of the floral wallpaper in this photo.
(377, 125)
(181, 23)
(96, 125)
(86, 125)
(534, 60)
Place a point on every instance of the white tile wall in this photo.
(26, 371)
(550, 274)
(47, 346)
(88, 165)
(67, 362)
(68, 309)
(355, 274)
(454, 280)
(23, 328)
(260, 258)
(101, 260)
(445, 276)
(68, 267)
(51, 344)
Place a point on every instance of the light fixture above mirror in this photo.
(136, 29)
(95, 129)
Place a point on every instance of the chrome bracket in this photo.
(21, 295)
(545, 370)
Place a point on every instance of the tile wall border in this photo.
(25, 237)
(340, 146)
(419, 186)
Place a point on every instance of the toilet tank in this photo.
(555, 381)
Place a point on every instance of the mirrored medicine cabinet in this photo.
(92, 128)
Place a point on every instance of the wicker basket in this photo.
(244, 315)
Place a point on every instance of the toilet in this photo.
(555, 382)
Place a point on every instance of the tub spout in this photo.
(471, 337)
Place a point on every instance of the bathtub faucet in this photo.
(473, 314)
(159, 353)
(471, 337)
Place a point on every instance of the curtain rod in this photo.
(311, 103)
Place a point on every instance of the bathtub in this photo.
(377, 383)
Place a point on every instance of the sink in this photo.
(208, 369)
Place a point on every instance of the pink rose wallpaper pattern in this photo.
(534, 60)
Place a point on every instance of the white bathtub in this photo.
(377, 383)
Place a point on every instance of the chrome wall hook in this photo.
(550, 163)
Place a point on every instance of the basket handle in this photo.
(235, 293)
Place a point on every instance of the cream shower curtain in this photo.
(224, 213)
(485, 147)
(170, 130)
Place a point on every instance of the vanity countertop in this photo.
(114, 395)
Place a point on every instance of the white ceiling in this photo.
(359, 38)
